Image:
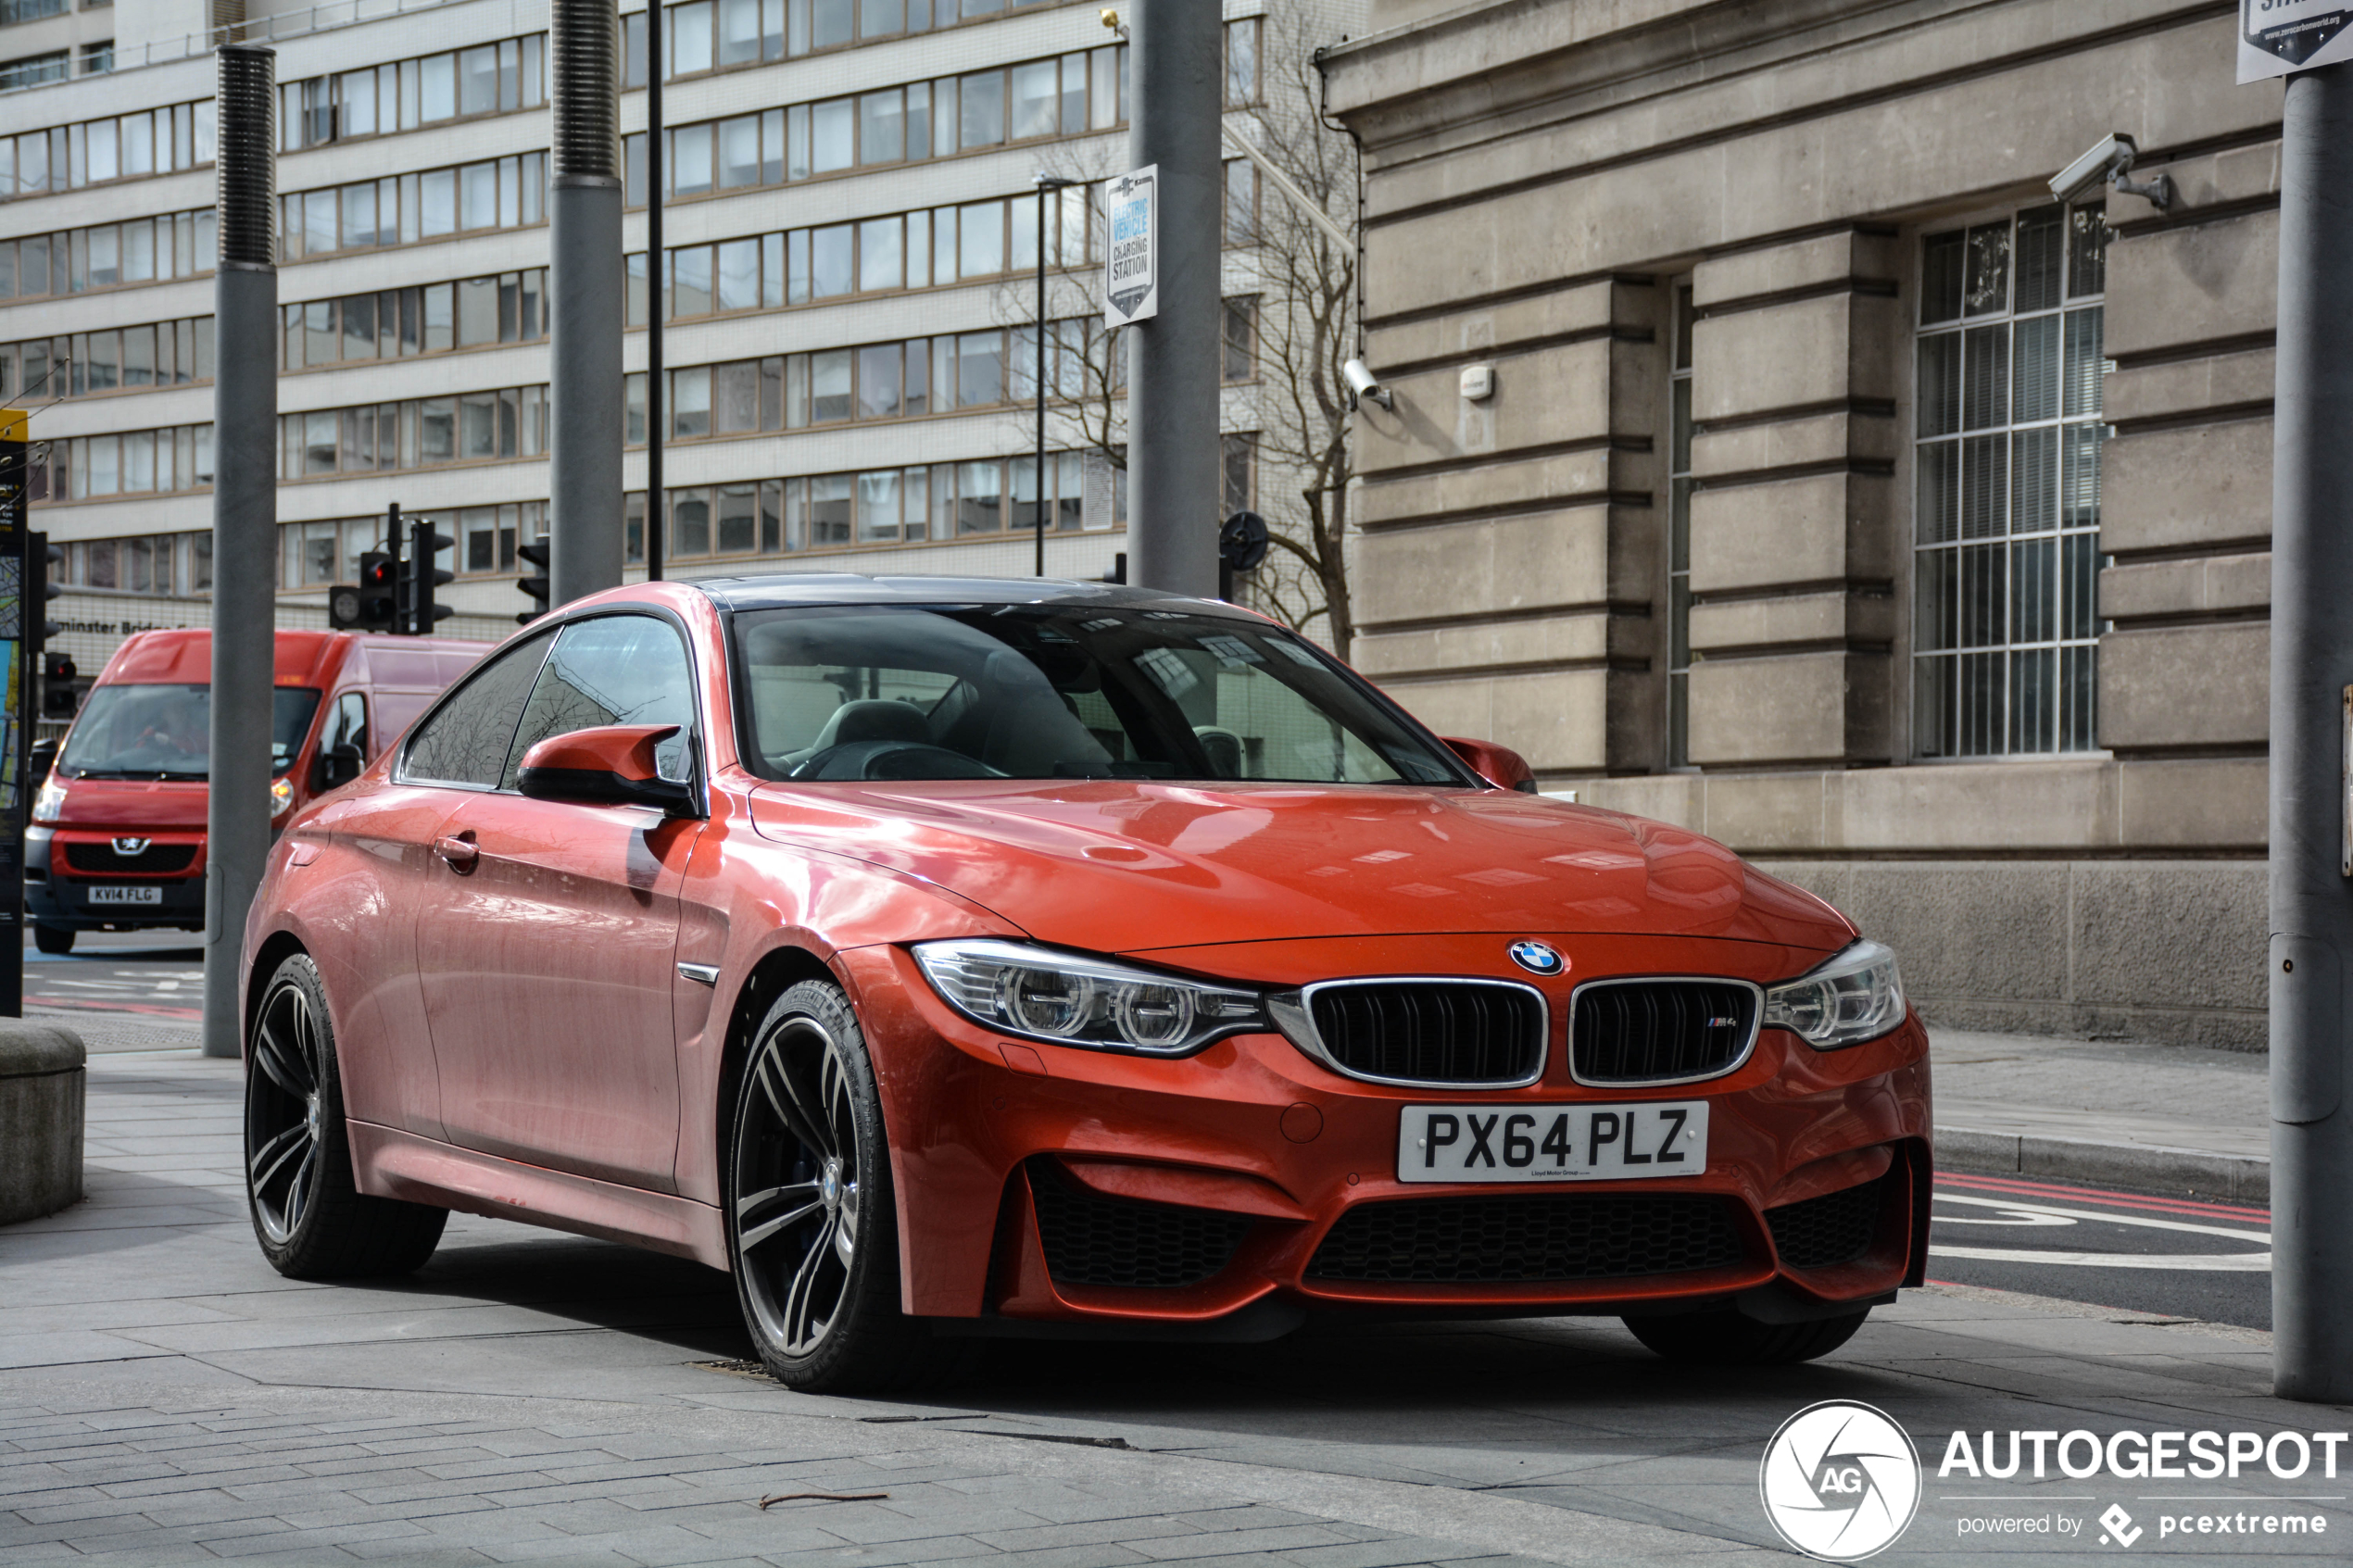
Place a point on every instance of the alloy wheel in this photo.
(798, 1172)
(284, 1125)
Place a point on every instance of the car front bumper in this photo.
(1051, 1186)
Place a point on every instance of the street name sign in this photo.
(1131, 265)
(2280, 37)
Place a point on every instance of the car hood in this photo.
(133, 803)
(1130, 866)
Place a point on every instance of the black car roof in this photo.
(788, 589)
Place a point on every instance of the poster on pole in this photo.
(16, 700)
(1131, 265)
(2280, 37)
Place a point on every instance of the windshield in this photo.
(165, 731)
(1030, 692)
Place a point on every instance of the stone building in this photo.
(1839, 493)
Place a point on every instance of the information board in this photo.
(2280, 37)
(1131, 261)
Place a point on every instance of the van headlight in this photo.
(50, 804)
(281, 798)
(1068, 999)
(1856, 997)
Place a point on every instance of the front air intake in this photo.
(1090, 1239)
(1837, 1228)
(1527, 1239)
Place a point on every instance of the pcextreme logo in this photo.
(1840, 1481)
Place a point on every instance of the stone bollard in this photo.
(41, 1104)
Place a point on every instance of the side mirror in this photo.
(44, 759)
(1499, 765)
(611, 766)
(336, 766)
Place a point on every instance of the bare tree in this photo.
(1300, 285)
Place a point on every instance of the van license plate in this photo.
(1552, 1143)
(127, 894)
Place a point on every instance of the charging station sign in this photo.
(1131, 265)
(2277, 37)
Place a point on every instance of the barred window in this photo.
(2007, 461)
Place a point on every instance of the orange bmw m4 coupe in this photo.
(953, 957)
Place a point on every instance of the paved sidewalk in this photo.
(2161, 1118)
(165, 1398)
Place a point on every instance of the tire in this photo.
(812, 1233)
(312, 1220)
(1729, 1340)
(52, 939)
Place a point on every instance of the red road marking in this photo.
(2024, 1189)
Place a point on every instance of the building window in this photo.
(1241, 62)
(1238, 361)
(2008, 429)
(97, 57)
(1241, 202)
(12, 11)
(1239, 453)
(1679, 536)
(33, 71)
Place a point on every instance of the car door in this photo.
(546, 955)
(386, 883)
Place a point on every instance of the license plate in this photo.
(127, 894)
(1552, 1143)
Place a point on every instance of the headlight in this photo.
(281, 797)
(50, 803)
(1067, 999)
(1856, 997)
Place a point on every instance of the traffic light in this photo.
(364, 606)
(58, 699)
(43, 558)
(419, 577)
(536, 553)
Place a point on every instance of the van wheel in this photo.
(1729, 1339)
(311, 1218)
(53, 939)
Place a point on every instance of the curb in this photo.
(2191, 1173)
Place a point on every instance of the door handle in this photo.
(460, 853)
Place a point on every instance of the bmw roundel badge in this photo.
(1538, 958)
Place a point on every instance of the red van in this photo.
(117, 838)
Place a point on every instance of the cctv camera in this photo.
(2107, 162)
(1364, 384)
(2110, 155)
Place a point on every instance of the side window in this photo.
(346, 725)
(464, 741)
(614, 669)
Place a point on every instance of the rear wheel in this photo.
(812, 1233)
(1729, 1339)
(313, 1223)
(52, 938)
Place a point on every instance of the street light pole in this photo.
(657, 307)
(1046, 184)
(2311, 897)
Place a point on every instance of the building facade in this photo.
(849, 277)
(1838, 491)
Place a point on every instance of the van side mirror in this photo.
(336, 766)
(1499, 765)
(610, 766)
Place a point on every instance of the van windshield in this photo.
(165, 731)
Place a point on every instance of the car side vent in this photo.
(1661, 1031)
(1470, 1033)
(1090, 1239)
(1837, 1228)
(1528, 1238)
